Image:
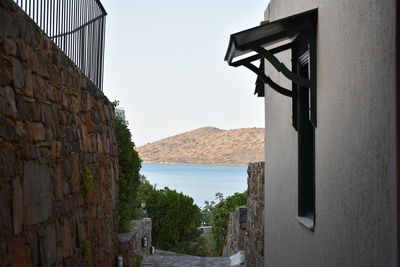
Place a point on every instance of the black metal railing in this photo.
(77, 27)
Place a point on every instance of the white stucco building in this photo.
(332, 138)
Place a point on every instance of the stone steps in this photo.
(184, 261)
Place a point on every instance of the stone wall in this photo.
(54, 123)
(236, 232)
(130, 244)
(254, 241)
(246, 225)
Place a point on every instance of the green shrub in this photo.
(220, 217)
(88, 183)
(129, 177)
(86, 249)
(175, 218)
(137, 259)
(206, 246)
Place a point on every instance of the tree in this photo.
(129, 177)
(206, 212)
(220, 217)
(175, 218)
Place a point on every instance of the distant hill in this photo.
(207, 145)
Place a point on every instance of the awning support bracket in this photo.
(280, 67)
(268, 80)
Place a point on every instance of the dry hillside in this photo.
(207, 145)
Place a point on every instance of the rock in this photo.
(3, 252)
(9, 47)
(89, 122)
(39, 64)
(55, 149)
(100, 108)
(18, 254)
(29, 84)
(5, 71)
(55, 76)
(254, 241)
(58, 183)
(18, 210)
(237, 227)
(46, 115)
(18, 73)
(48, 236)
(22, 51)
(40, 88)
(112, 188)
(7, 102)
(99, 144)
(3, 128)
(76, 175)
(7, 129)
(67, 239)
(37, 193)
(6, 228)
(70, 134)
(67, 169)
(36, 131)
(8, 165)
(36, 112)
(20, 128)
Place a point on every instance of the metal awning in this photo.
(263, 42)
(271, 33)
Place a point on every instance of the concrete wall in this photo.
(355, 142)
(53, 124)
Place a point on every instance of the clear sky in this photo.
(164, 63)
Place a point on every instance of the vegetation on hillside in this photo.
(129, 177)
(208, 145)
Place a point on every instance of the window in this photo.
(306, 148)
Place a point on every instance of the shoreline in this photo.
(180, 163)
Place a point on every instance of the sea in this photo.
(201, 182)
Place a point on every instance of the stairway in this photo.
(184, 261)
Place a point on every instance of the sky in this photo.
(164, 62)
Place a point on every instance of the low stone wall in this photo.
(246, 225)
(54, 124)
(254, 241)
(130, 244)
(236, 232)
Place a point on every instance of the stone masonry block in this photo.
(37, 193)
(18, 73)
(10, 47)
(18, 216)
(5, 71)
(7, 102)
(5, 211)
(48, 242)
(36, 131)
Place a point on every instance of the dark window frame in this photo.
(306, 147)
